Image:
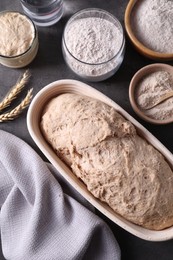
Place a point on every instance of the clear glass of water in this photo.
(43, 12)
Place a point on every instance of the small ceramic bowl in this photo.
(134, 83)
(158, 56)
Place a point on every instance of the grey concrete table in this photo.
(49, 66)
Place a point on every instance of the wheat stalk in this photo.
(17, 110)
(16, 89)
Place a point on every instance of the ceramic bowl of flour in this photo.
(147, 86)
(93, 44)
(149, 27)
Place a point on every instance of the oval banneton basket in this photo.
(33, 123)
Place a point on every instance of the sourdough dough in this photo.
(116, 164)
(17, 34)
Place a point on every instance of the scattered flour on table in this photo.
(93, 40)
(152, 22)
(150, 89)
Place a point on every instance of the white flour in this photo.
(93, 40)
(150, 89)
(152, 22)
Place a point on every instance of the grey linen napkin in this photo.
(42, 217)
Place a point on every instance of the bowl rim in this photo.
(102, 11)
(139, 46)
(135, 79)
(33, 124)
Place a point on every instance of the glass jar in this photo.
(93, 25)
(18, 48)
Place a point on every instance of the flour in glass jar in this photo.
(152, 23)
(93, 40)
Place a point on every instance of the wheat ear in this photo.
(17, 110)
(16, 89)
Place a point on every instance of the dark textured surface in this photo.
(49, 66)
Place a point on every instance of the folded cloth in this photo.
(42, 217)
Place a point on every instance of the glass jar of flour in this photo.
(93, 44)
